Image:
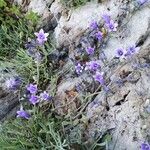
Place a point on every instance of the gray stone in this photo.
(124, 112)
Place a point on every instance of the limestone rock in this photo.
(124, 110)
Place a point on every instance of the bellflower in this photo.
(33, 99)
(32, 88)
(133, 49)
(109, 23)
(13, 83)
(23, 114)
(90, 50)
(99, 35)
(112, 26)
(145, 146)
(141, 2)
(92, 65)
(41, 36)
(45, 96)
(120, 53)
(99, 77)
(94, 25)
(79, 68)
(106, 18)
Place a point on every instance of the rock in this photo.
(123, 111)
(57, 9)
(47, 21)
(123, 115)
(67, 98)
(70, 91)
(77, 21)
(135, 31)
(117, 112)
(9, 100)
(8, 104)
(37, 6)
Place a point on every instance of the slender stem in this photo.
(38, 73)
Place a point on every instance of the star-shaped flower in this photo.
(106, 18)
(120, 53)
(94, 25)
(141, 2)
(41, 36)
(99, 77)
(45, 96)
(90, 50)
(112, 26)
(23, 114)
(13, 83)
(99, 35)
(79, 68)
(92, 65)
(32, 88)
(145, 146)
(34, 99)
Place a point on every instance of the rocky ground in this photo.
(122, 110)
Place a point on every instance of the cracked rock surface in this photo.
(9, 100)
(124, 112)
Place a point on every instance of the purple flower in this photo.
(32, 88)
(92, 65)
(133, 49)
(112, 26)
(145, 146)
(141, 2)
(109, 23)
(34, 99)
(99, 77)
(120, 53)
(13, 83)
(90, 50)
(23, 114)
(106, 18)
(45, 96)
(99, 35)
(41, 36)
(94, 25)
(79, 68)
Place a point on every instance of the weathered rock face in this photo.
(9, 100)
(121, 111)
(124, 110)
(8, 104)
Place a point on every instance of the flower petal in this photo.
(46, 34)
(41, 31)
(36, 33)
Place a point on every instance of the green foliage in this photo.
(74, 3)
(2, 3)
(43, 131)
(39, 132)
(14, 29)
(12, 38)
(33, 17)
